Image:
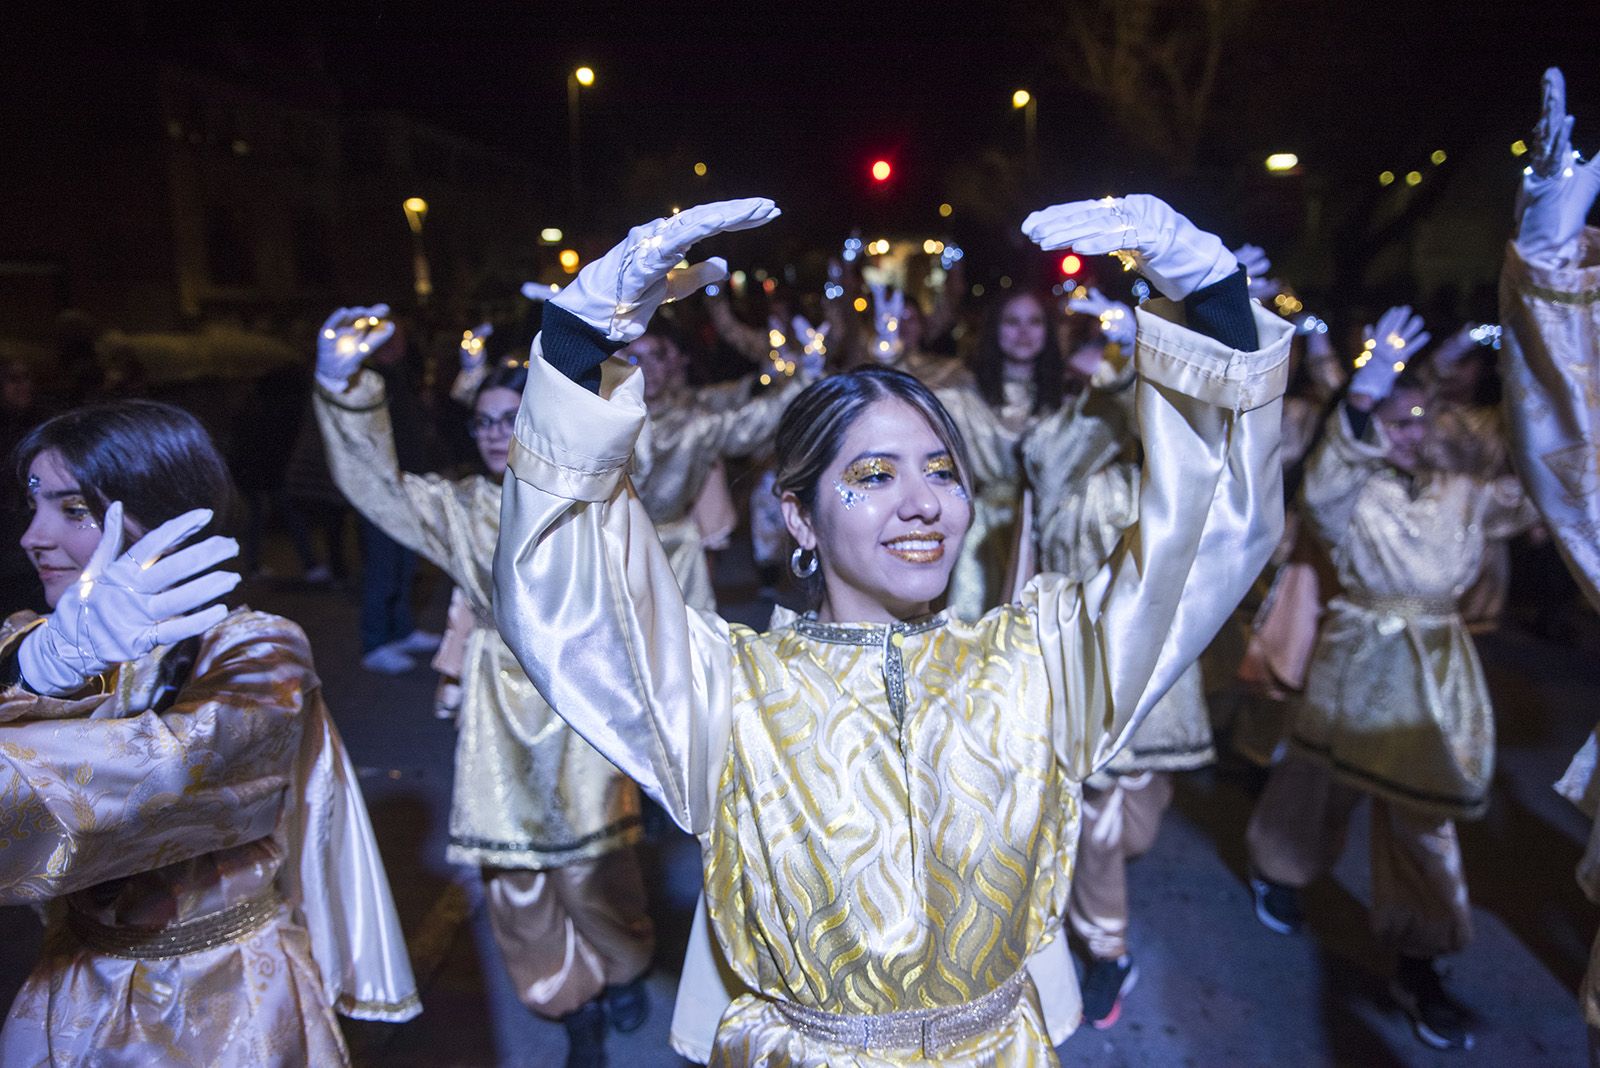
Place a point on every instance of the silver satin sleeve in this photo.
(1210, 513)
(1551, 365)
(586, 600)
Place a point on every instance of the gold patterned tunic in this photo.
(887, 812)
(162, 823)
(528, 791)
(1395, 700)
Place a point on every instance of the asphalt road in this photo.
(1216, 988)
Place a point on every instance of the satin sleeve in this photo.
(1210, 512)
(586, 600)
(1550, 361)
(414, 510)
(1336, 472)
(86, 800)
(991, 444)
(1081, 461)
(748, 428)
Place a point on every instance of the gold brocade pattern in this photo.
(913, 826)
(528, 792)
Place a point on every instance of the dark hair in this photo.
(154, 458)
(512, 376)
(989, 363)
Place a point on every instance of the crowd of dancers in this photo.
(1020, 571)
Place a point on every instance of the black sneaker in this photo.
(1105, 982)
(627, 1005)
(586, 1036)
(1277, 906)
(1438, 1019)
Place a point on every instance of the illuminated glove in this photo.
(474, 363)
(618, 293)
(1177, 256)
(1257, 270)
(1558, 188)
(1116, 318)
(539, 292)
(349, 336)
(123, 606)
(887, 311)
(813, 341)
(1397, 335)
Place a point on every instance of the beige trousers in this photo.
(1419, 892)
(1119, 824)
(567, 933)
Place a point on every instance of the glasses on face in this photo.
(485, 425)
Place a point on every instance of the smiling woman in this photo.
(887, 799)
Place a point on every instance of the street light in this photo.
(416, 210)
(1282, 162)
(1024, 101)
(582, 78)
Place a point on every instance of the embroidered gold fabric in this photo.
(528, 792)
(887, 812)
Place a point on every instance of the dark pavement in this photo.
(1216, 988)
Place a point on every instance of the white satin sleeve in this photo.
(1210, 513)
(586, 600)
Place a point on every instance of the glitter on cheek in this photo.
(847, 496)
(959, 492)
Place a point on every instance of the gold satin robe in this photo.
(1395, 699)
(687, 433)
(887, 812)
(1551, 365)
(1082, 462)
(126, 817)
(528, 791)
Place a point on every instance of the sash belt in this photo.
(176, 939)
(933, 1030)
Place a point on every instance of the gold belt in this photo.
(933, 1030)
(175, 939)
(1399, 605)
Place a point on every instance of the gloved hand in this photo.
(887, 311)
(1397, 335)
(539, 292)
(1558, 189)
(123, 606)
(1177, 256)
(349, 336)
(618, 293)
(813, 342)
(1453, 349)
(1116, 318)
(1257, 270)
(473, 351)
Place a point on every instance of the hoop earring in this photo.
(794, 563)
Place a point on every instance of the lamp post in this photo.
(580, 79)
(416, 210)
(1025, 102)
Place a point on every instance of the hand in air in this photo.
(1257, 270)
(1558, 188)
(474, 347)
(1177, 256)
(1116, 318)
(888, 309)
(1387, 346)
(348, 337)
(127, 603)
(618, 293)
(813, 342)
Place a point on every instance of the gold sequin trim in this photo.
(178, 939)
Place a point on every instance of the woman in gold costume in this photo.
(887, 799)
(549, 821)
(174, 789)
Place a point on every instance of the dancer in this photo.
(1395, 703)
(549, 821)
(174, 786)
(1550, 306)
(887, 800)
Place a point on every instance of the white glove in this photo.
(1397, 335)
(538, 292)
(473, 351)
(123, 606)
(813, 346)
(618, 293)
(349, 336)
(1558, 189)
(1257, 270)
(1453, 349)
(887, 311)
(1176, 255)
(1116, 318)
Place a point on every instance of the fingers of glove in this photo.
(173, 532)
(1253, 258)
(187, 562)
(718, 217)
(173, 631)
(538, 292)
(191, 595)
(110, 546)
(341, 318)
(1090, 226)
(684, 281)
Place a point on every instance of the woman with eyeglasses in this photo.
(886, 798)
(549, 821)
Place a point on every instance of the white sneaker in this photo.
(388, 660)
(419, 643)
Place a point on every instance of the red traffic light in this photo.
(881, 170)
(1071, 264)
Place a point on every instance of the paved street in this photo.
(1216, 987)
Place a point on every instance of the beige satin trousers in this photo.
(1119, 824)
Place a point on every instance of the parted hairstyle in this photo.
(1049, 368)
(154, 458)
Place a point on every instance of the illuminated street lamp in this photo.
(1282, 162)
(1025, 102)
(416, 210)
(582, 78)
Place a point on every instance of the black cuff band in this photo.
(1221, 311)
(575, 348)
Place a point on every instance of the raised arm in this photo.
(583, 592)
(1211, 376)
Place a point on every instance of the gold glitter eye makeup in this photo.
(864, 470)
(943, 464)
